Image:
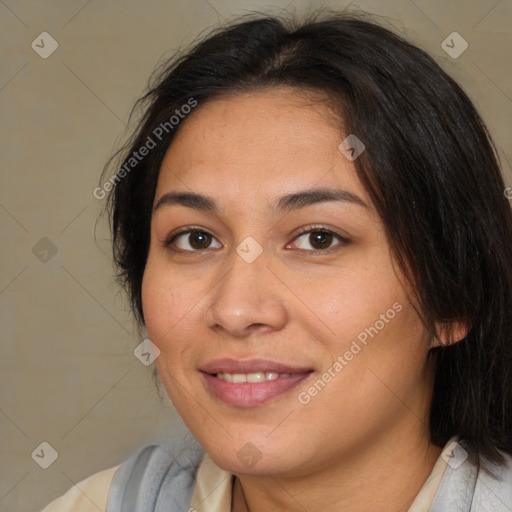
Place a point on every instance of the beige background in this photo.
(68, 375)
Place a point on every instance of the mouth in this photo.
(252, 382)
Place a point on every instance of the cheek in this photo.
(352, 300)
(170, 305)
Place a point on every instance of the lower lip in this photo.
(250, 394)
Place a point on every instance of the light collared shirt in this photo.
(213, 489)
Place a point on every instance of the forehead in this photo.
(262, 142)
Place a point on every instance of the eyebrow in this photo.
(283, 204)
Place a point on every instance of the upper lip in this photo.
(250, 366)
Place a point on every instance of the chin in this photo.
(253, 454)
(255, 465)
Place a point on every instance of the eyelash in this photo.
(308, 229)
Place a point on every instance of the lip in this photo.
(251, 394)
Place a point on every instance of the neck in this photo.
(384, 476)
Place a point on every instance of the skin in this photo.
(362, 442)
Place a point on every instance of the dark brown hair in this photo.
(429, 168)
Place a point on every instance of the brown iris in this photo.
(320, 239)
(199, 239)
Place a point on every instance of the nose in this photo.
(248, 299)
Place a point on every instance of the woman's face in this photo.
(282, 267)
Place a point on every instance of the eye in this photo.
(310, 239)
(317, 240)
(191, 240)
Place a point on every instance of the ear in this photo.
(449, 333)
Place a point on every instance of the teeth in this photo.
(237, 378)
(255, 377)
(226, 376)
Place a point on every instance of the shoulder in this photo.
(89, 495)
(494, 485)
(163, 473)
(473, 482)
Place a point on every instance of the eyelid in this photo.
(319, 227)
(183, 231)
(314, 228)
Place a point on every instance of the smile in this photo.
(252, 382)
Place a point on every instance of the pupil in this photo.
(320, 238)
(200, 239)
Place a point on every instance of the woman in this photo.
(311, 224)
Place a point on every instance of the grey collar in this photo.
(161, 478)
